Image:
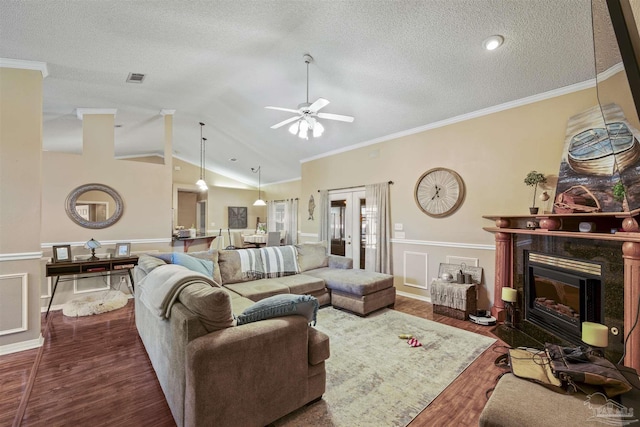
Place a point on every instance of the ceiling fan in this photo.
(307, 114)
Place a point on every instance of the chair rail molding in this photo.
(20, 256)
(445, 244)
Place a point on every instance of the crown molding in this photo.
(463, 117)
(25, 65)
(80, 112)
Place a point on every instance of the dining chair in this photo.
(273, 238)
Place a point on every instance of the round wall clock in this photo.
(439, 192)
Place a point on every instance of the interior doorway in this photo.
(347, 225)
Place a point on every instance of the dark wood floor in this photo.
(94, 371)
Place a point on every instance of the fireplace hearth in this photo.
(560, 293)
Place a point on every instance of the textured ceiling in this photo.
(393, 65)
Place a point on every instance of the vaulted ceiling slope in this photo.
(393, 65)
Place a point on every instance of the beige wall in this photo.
(20, 190)
(492, 153)
(144, 187)
(223, 192)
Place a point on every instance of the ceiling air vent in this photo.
(135, 78)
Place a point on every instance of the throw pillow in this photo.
(281, 305)
(211, 305)
(195, 264)
(311, 256)
(147, 263)
(210, 255)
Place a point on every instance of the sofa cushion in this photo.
(212, 305)
(231, 265)
(281, 305)
(211, 255)
(258, 289)
(301, 283)
(239, 303)
(311, 256)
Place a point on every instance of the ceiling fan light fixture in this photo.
(318, 130)
(304, 130)
(293, 129)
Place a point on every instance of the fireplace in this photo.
(560, 293)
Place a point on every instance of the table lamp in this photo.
(509, 296)
(596, 336)
(93, 245)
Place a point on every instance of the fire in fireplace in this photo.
(561, 293)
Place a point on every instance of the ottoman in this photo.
(358, 291)
(518, 402)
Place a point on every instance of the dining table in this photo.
(257, 240)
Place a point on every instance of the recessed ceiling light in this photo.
(117, 126)
(233, 159)
(493, 42)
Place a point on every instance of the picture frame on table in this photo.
(62, 253)
(123, 250)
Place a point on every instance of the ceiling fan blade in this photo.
(289, 120)
(320, 103)
(336, 117)
(282, 109)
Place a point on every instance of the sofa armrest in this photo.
(337, 261)
(247, 375)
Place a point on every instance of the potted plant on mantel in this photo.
(532, 180)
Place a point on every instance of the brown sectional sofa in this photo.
(214, 373)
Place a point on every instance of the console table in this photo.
(88, 269)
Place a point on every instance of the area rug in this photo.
(95, 304)
(375, 378)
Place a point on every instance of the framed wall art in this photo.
(237, 216)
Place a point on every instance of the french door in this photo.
(347, 225)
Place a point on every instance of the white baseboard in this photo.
(414, 296)
(21, 346)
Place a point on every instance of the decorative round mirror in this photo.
(94, 206)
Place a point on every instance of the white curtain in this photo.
(271, 216)
(378, 232)
(291, 222)
(323, 216)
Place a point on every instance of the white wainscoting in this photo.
(12, 285)
(415, 271)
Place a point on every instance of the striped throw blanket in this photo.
(251, 263)
(278, 261)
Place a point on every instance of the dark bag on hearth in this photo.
(579, 369)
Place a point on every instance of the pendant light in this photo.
(201, 182)
(258, 202)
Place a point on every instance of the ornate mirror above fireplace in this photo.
(94, 206)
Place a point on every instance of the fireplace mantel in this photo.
(618, 226)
